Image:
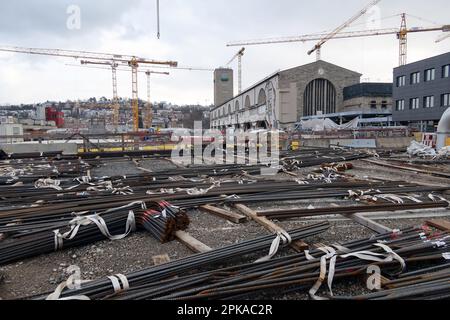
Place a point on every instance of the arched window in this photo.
(247, 104)
(229, 109)
(262, 97)
(319, 97)
(236, 106)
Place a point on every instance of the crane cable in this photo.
(157, 19)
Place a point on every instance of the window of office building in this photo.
(428, 102)
(400, 105)
(445, 100)
(415, 78)
(414, 103)
(401, 81)
(446, 71)
(384, 104)
(373, 104)
(430, 75)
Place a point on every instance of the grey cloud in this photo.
(36, 18)
(195, 32)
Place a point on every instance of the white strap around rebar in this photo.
(56, 295)
(120, 283)
(48, 183)
(79, 221)
(331, 254)
(282, 236)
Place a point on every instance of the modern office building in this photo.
(422, 92)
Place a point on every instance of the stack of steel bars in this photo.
(30, 170)
(162, 221)
(429, 283)
(32, 212)
(300, 272)
(397, 254)
(302, 213)
(103, 287)
(250, 191)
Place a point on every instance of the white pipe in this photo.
(443, 130)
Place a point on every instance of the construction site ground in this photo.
(42, 274)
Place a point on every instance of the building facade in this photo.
(282, 99)
(368, 97)
(421, 92)
(223, 85)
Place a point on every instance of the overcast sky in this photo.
(195, 33)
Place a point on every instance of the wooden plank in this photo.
(161, 259)
(441, 224)
(318, 245)
(366, 222)
(192, 243)
(298, 246)
(266, 223)
(224, 214)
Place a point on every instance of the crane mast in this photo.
(134, 97)
(148, 111)
(239, 56)
(403, 42)
(116, 105)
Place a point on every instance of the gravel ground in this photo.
(116, 168)
(363, 170)
(42, 274)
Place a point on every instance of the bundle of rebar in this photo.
(162, 220)
(103, 288)
(302, 213)
(30, 170)
(429, 286)
(394, 253)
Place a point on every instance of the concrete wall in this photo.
(66, 148)
(394, 143)
(364, 104)
(387, 143)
